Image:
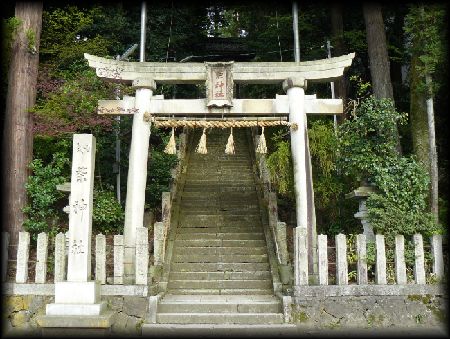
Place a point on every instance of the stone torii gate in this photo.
(219, 102)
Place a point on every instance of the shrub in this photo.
(108, 215)
(41, 211)
(367, 151)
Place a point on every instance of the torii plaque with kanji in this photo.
(219, 84)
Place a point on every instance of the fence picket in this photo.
(361, 265)
(118, 259)
(23, 253)
(341, 260)
(322, 257)
(41, 258)
(100, 258)
(438, 258)
(419, 265)
(380, 266)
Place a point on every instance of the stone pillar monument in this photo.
(79, 296)
(137, 174)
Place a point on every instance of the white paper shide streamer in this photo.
(201, 148)
(262, 148)
(229, 149)
(171, 147)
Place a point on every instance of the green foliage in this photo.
(44, 147)
(63, 42)
(159, 176)
(9, 30)
(367, 151)
(367, 141)
(328, 186)
(31, 38)
(42, 216)
(279, 164)
(108, 215)
(73, 106)
(425, 28)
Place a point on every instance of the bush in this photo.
(279, 164)
(42, 212)
(367, 151)
(108, 215)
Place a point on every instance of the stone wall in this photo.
(330, 313)
(20, 312)
(352, 312)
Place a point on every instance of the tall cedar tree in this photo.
(378, 54)
(21, 96)
(337, 41)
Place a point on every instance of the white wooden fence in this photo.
(60, 258)
(301, 269)
(341, 274)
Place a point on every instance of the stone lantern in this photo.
(362, 193)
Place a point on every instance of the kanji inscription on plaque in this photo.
(219, 84)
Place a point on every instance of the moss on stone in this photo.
(300, 317)
(139, 325)
(14, 304)
(333, 325)
(374, 320)
(425, 299)
(438, 313)
(19, 319)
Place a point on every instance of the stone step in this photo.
(203, 164)
(229, 187)
(219, 156)
(223, 291)
(240, 331)
(223, 236)
(219, 307)
(244, 171)
(219, 250)
(219, 284)
(218, 243)
(221, 224)
(220, 229)
(222, 182)
(220, 206)
(219, 298)
(213, 217)
(219, 258)
(219, 199)
(222, 213)
(219, 318)
(221, 196)
(220, 267)
(219, 211)
(255, 275)
(221, 168)
(240, 170)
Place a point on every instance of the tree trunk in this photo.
(21, 96)
(337, 41)
(378, 54)
(418, 116)
(423, 128)
(434, 199)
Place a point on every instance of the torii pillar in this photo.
(137, 174)
(301, 161)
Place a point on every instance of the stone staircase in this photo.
(219, 264)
